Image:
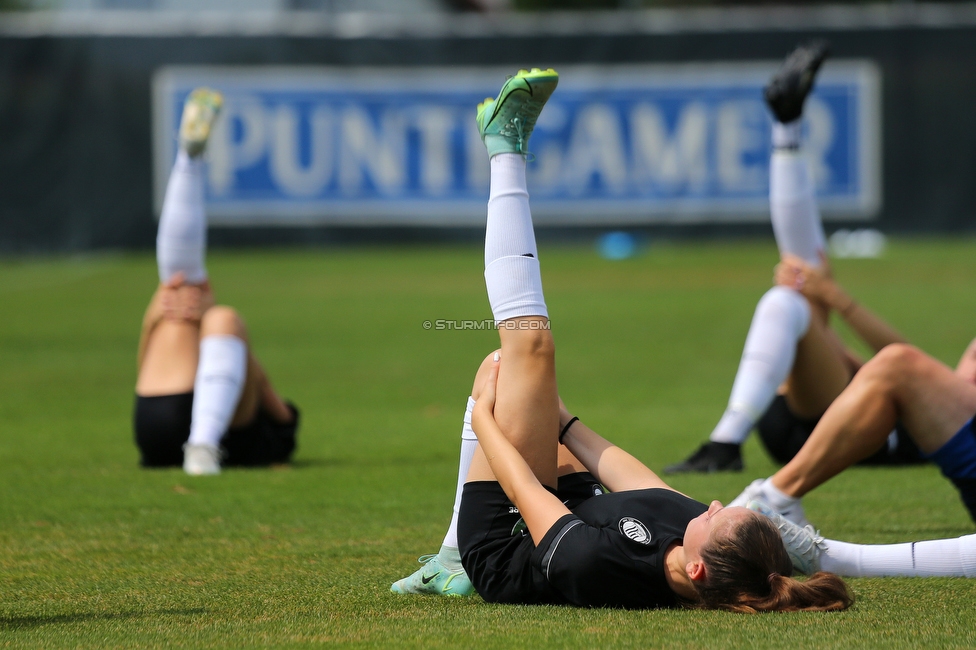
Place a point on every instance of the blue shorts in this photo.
(957, 460)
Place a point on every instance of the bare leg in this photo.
(820, 372)
(900, 382)
(170, 363)
(527, 403)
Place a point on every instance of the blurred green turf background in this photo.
(95, 552)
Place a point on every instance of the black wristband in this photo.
(562, 433)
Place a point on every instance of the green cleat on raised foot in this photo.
(506, 122)
(200, 111)
(434, 578)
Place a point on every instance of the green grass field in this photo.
(95, 552)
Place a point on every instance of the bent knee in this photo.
(898, 355)
(785, 306)
(895, 361)
(222, 319)
(533, 342)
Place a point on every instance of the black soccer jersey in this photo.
(610, 551)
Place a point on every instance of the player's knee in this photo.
(534, 343)
(222, 319)
(895, 362)
(898, 356)
(786, 306)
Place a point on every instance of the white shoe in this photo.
(803, 544)
(201, 460)
(754, 491)
(199, 113)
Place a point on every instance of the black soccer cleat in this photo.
(710, 457)
(789, 87)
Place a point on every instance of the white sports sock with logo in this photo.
(937, 557)
(793, 206)
(181, 239)
(221, 373)
(781, 319)
(469, 442)
(512, 272)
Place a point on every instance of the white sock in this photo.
(781, 319)
(788, 135)
(511, 258)
(793, 206)
(220, 380)
(778, 499)
(181, 240)
(938, 557)
(469, 442)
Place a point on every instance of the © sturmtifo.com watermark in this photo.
(484, 324)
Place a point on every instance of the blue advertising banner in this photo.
(615, 144)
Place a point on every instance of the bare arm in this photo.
(818, 285)
(611, 465)
(539, 508)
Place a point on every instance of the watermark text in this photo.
(485, 324)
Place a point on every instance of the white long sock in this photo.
(512, 272)
(221, 372)
(469, 442)
(937, 557)
(793, 205)
(181, 240)
(781, 319)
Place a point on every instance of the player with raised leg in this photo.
(534, 524)
(793, 364)
(202, 399)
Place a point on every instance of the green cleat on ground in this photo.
(200, 111)
(506, 122)
(434, 578)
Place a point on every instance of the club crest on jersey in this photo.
(634, 530)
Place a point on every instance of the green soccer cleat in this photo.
(434, 578)
(200, 111)
(506, 122)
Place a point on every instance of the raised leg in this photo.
(782, 316)
(792, 204)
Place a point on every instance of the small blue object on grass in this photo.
(617, 245)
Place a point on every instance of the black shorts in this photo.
(162, 426)
(783, 433)
(496, 548)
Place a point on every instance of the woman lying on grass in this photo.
(535, 524)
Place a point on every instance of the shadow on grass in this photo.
(29, 622)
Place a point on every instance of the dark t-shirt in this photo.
(610, 551)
